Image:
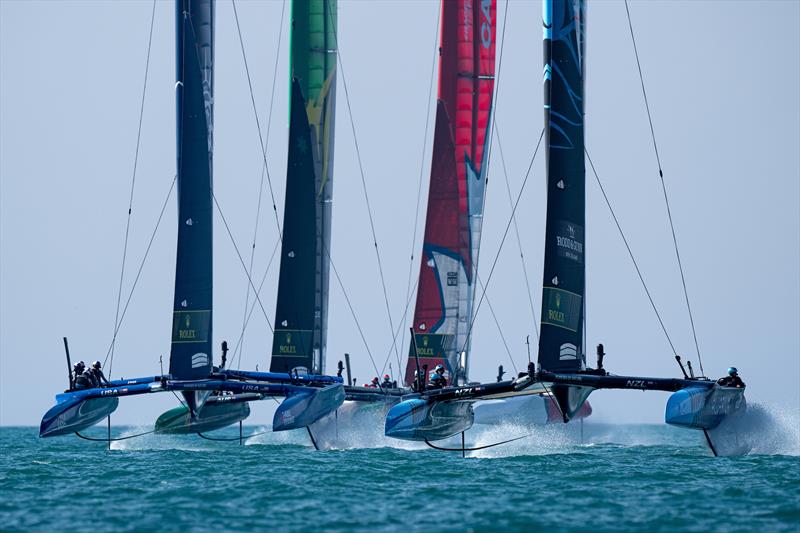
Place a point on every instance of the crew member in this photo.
(387, 382)
(438, 380)
(732, 379)
(80, 380)
(98, 375)
(374, 383)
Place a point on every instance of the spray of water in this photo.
(357, 425)
(760, 430)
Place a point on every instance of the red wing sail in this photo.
(455, 200)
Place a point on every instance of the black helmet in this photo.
(96, 365)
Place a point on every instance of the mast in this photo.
(561, 341)
(301, 313)
(190, 354)
(446, 292)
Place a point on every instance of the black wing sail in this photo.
(561, 345)
(190, 355)
(302, 309)
(292, 344)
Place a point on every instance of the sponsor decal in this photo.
(452, 279)
(431, 345)
(292, 343)
(191, 326)
(561, 308)
(486, 25)
(199, 360)
(567, 351)
(467, 20)
(569, 241)
(635, 383)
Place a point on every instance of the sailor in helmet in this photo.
(374, 383)
(80, 380)
(438, 380)
(387, 382)
(100, 379)
(732, 379)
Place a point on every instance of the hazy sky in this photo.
(723, 80)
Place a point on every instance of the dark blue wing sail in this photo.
(561, 344)
(190, 356)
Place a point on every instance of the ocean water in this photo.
(616, 477)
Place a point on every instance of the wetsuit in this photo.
(83, 382)
(99, 377)
(437, 381)
(731, 381)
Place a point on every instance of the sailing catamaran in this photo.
(214, 397)
(696, 403)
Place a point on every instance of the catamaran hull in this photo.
(303, 408)
(214, 415)
(570, 399)
(703, 408)
(420, 420)
(530, 410)
(75, 414)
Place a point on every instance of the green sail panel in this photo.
(301, 313)
(561, 341)
(190, 353)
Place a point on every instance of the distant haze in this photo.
(723, 80)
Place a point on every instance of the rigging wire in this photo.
(133, 186)
(239, 344)
(363, 183)
(664, 189)
(503, 240)
(519, 240)
(397, 330)
(141, 266)
(630, 252)
(499, 329)
(352, 311)
(419, 183)
(261, 142)
(245, 318)
(241, 260)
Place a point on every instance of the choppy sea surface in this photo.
(614, 477)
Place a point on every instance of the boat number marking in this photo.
(635, 383)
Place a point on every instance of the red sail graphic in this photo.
(455, 200)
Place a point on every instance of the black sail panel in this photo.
(190, 354)
(292, 344)
(561, 340)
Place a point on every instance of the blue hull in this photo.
(74, 413)
(306, 406)
(704, 408)
(418, 420)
